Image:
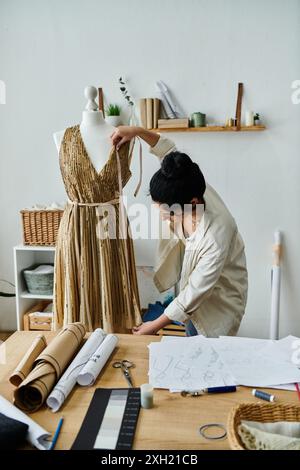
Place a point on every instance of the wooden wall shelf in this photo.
(211, 129)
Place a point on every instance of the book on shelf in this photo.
(156, 111)
(143, 113)
(149, 112)
(173, 123)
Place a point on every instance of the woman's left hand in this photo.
(148, 328)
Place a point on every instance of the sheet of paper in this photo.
(65, 385)
(36, 435)
(253, 362)
(193, 367)
(251, 365)
(97, 361)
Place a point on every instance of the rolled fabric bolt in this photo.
(147, 396)
(263, 395)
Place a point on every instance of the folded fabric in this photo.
(26, 364)
(48, 368)
(12, 432)
(280, 435)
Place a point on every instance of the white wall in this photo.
(50, 50)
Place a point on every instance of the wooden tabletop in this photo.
(172, 424)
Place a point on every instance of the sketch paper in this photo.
(251, 366)
(249, 361)
(193, 367)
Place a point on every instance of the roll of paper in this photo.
(69, 378)
(26, 364)
(49, 367)
(98, 360)
(36, 435)
(275, 302)
(275, 286)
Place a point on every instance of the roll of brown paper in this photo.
(48, 367)
(26, 364)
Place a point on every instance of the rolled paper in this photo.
(48, 368)
(26, 364)
(97, 361)
(146, 396)
(69, 378)
(36, 435)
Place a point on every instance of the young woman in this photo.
(206, 252)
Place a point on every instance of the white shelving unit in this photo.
(25, 256)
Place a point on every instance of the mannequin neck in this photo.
(92, 118)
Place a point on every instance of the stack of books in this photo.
(149, 112)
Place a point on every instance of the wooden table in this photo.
(172, 424)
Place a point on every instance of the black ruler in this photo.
(111, 420)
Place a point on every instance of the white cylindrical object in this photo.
(249, 118)
(277, 237)
(147, 396)
(97, 361)
(275, 303)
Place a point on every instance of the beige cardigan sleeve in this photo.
(162, 147)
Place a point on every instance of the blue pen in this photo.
(198, 393)
(226, 389)
(56, 434)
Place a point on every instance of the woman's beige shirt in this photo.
(210, 265)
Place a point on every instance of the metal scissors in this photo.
(125, 366)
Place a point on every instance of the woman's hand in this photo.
(151, 327)
(148, 328)
(123, 134)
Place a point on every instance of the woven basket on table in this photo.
(261, 412)
(40, 227)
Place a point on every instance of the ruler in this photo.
(110, 421)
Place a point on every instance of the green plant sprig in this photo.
(113, 110)
(124, 92)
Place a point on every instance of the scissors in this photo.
(125, 366)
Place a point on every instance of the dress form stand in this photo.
(95, 278)
(95, 131)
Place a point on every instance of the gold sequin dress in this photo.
(95, 276)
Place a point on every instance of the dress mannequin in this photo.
(95, 278)
(94, 130)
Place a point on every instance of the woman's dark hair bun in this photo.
(176, 165)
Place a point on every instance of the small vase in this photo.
(132, 121)
(114, 121)
(249, 121)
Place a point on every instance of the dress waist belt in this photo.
(94, 204)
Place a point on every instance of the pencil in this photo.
(56, 434)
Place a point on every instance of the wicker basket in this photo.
(38, 283)
(261, 412)
(40, 227)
